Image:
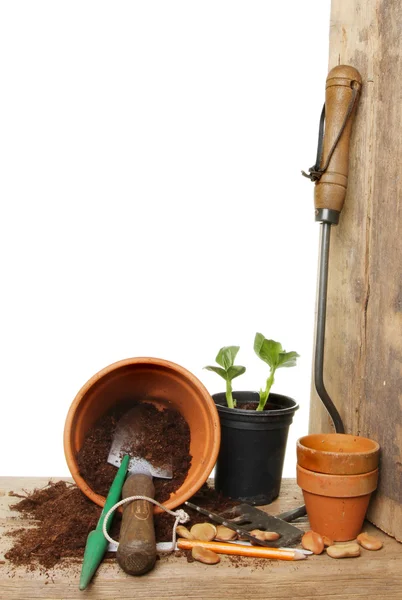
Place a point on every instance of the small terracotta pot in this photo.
(336, 504)
(337, 453)
(164, 384)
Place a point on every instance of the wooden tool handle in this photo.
(136, 553)
(342, 83)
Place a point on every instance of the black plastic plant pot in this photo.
(253, 445)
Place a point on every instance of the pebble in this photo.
(263, 536)
(313, 541)
(349, 550)
(224, 534)
(205, 532)
(183, 532)
(205, 556)
(266, 536)
(369, 542)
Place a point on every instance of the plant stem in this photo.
(229, 396)
(264, 394)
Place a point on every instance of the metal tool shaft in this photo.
(320, 328)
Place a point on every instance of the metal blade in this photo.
(128, 430)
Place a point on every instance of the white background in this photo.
(152, 201)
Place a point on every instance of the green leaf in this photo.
(217, 370)
(235, 371)
(226, 356)
(287, 359)
(268, 350)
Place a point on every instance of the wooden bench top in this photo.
(374, 575)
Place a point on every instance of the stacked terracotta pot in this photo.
(337, 473)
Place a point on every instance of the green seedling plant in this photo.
(276, 357)
(269, 351)
(228, 370)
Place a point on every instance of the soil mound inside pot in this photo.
(164, 433)
(253, 406)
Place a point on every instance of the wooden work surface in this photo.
(376, 575)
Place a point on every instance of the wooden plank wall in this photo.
(363, 352)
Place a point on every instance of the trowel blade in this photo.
(127, 430)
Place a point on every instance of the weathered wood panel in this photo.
(363, 352)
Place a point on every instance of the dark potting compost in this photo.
(164, 433)
(253, 406)
(59, 518)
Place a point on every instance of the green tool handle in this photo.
(96, 542)
(114, 494)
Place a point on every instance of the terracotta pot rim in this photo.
(175, 499)
(337, 486)
(375, 449)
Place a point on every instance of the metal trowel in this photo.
(136, 553)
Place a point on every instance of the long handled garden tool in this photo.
(330, 174)
(136, 553)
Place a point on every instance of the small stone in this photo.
(205, 532)
(349, 550)
(264, 536)
(313, 541)
(205, 556)
(369, 542)
(224, 534)
(183, 532)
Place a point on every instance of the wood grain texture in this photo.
(372, 575)
(363, 349)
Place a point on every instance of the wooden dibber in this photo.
(136, 553)
(342, 90)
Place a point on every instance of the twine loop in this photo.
(180, 514)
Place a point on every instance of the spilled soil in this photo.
(56, 521)
(60, 517)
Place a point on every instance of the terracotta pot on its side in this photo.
(337, 473)
(164, 384)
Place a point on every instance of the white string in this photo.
(181, 517)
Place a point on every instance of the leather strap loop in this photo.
(315, 172)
